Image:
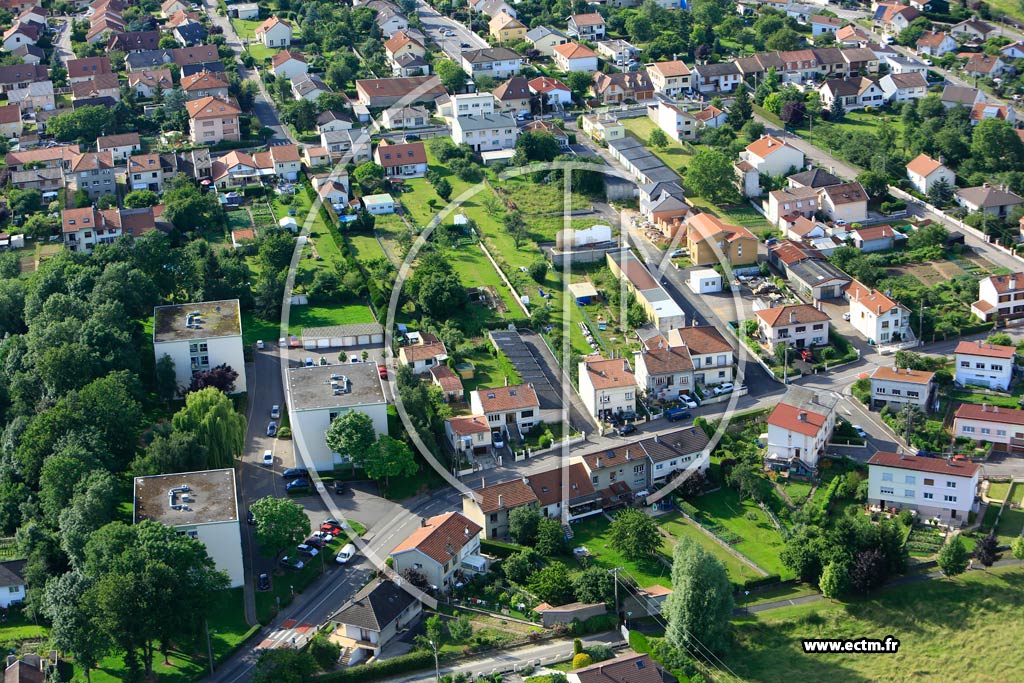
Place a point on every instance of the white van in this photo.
(346, 554)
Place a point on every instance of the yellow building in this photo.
(506, 29)
(705, 232)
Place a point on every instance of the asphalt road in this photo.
(434, 24)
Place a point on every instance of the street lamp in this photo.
(437, 665)
(746, 601)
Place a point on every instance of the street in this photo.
(435, 25)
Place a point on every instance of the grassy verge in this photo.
(680, 528)
(999, 490)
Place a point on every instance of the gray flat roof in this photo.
(210, 498)
(487, 121)
(311, 388)
(342, 330)
(817, 271)
(215, 319)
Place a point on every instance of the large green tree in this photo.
(701, 602)
(953, 557)
(635, 534)
(710, 175)
(280, 523)
(190, 209)
(522, 524)
(211, 416)
(388, 458)
(352, 435)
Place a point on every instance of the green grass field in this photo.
(676, 525)
(488, 373)
(675, 156)
(325, 316)
(967, 396)
(998, 490)
(798, 491)
(1011, 523)
(593, 533)
(18, 627)
(761, 542)
(966, 629)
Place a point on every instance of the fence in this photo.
(557, 445)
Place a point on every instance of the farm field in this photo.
(965, 629)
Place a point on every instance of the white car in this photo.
(268, 458)
(846, 316)
(677, 253)
(345, 554)
(275, 412)
(260, 345)
(722, 389)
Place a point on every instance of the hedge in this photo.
(414, 661)
(500, 548)
(638, 642)
(769, 580)
(598, 624)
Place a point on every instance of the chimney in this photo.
(501, 504)
(792, 317)
(483, 482)
(655, 438)
(467, 531)
(879, 309)
(801, 416)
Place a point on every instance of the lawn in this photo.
(365, 248)
(675, 156)
(680, 528)
(254, 329)
(1017, 494)
(780, 591)
(490, 371)
(798, 491)
(246, 28)
(322, 316)
(761, 542)
(1011, 523)
(17, 627)
(593, 533)
(998, 490)
(966, 629)
(853, 122)
(967, 396)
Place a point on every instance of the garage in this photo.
(343, 336)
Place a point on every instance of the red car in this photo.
(806, 355)
(382, 371)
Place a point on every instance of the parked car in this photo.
(497, 439)
(860, 431)
(678, 252)
(297, 485)
(846, 316)
(464, 45)
(382, 371)
(263, 582)
(626, 429)
(345, 554)
(308, 362)
(770, 241)
(325, 536)
(676, 414)
(291, 563)
(268, 458)
(272, 429)
(331, 529)
(250, 518)
(722, 389)
(687, 401)
(339, 486)
(307, 550)
(275, 412)
(260, 345)
(294, 472)
(315, 541)
(806, 355)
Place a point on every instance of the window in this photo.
(494, 418)
(526, 413)
(886, 490)
(494, 516)
(967, 429)
(659, 466)
(629, 395)
(593, 480)
(986, 430)
(964, 364)
(910, 479)
(908, 493)
(638, 469)
(886, 476)
(929, 482)
(949, 499)
(819, 326)
(928, 496)
(950, 484)
(1000, 432)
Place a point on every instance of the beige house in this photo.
(845, 202)
(204, 84)
(505, 28)
(146, 84)
(93, 173)
(11, 125)
(705, 232)
(896, 387)
(275, 32)
(212, 120)
(607, 386)
(374, 617)
(490, 506)
(669, 78)
(603, 127)
(442, 546)
(545, 39)
(800, 325)
(145, 173)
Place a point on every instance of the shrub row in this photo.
(499, 548)
(598, 624)
(769, 580)
(414, 661)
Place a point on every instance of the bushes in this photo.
(894, 206)
(760, 581)
(414, 661)
(598, 624)
(500, 548)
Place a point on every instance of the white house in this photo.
(607, 386)
(663, 371)
(289, 64)
(496, 62)
(670, 78)
(553, 90)
(994, 201)
(467, 104)
(844, 202)
(372, 618)
(12, 582)
(896, 387)
(904, 87)
(772, 156)
(544, 39)
(320, 393)
(719, 77)
(198, 337)
(274, 32)
(379, 204)
(513, 407)
(1000, 295)
(487, 132)
(677, 122)
(799, 325)
(422, 355)
(938, 489)
(575, 57)
(822, 24)
(934, 44)
(985, 365)
(468, 434)
(876, 238)
(990, 424)
(444, 545)
(589, 26)
(201, 505)
(713, 357)
(925, 172)
(854, 93)
(880, 319)
(799, 428)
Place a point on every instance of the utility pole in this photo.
(615, 579)
(785, 364)
(209, 645)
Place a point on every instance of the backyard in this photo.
(674, 155)
(757, 538)
(967, 629)
(593, 534)
(676, 525)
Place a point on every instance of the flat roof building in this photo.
(198, 337)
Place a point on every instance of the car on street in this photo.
(860, 431)
(260, 345)
(263, 582)
(268, 458)
(345, 554)
(272, 429)
(250, 518)
(294, 472)
(339, 486)
(297, 485)
(464, 45)
(292, 563)
(275, 412)
(626, 429)
(676, 414)
(307, 550)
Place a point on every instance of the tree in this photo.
(190, 209)
(552, 584)
(433, 638)
(1017, 548)
(834, 580)
(868, 570)
(701, 602)
(793, 112)
(280, 523)
(283, 665)
(518, 567)
(176, 452)
(635, 534)
(539, 270)
(84, 123)
(985, 550)
(996, 144)
(953, 557)
(837, 111)
(876, 184)
(550, 537)
(416, 578)
(710, 175)
(389, 458)
(221, 378)
(352, 435)
(741, 110)
(594, 584)
(324, 652)
(72, 630)
(658, 139)
(515, 226)
(211, 416)
(537, 146)
(451, 74)
(443, 188)
(460, 629)
(523, 522)
(139, 199)
(579, 82)
(369, 175)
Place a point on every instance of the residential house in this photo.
(274, 32)
(897, 387)
(798, 65)
(212, 120)
(485, 133)
(710, 117)
(146, 84)
(816, 278)
(514, 408)
(603, 127)
(352, 145)
(103, 86)
(999, 296)
(490, 506)
(204, 84)
(58, 156)
(427, 352)
(403, 43)
(618, 87)
(492, 8)
(937, 489)
(589, 26)
(625, 668)
(880, 319)
(994, 201)
(713, 357)
(709, 240)
(785, 206)
(403, 118)
(815, 178)
(619, 52)
(851, 35)
(309, 87)
(670, 78)
(496, 62)
(372, 618)
(442, 377)
(652, 195)
(551, 128)
(171, 7)
(854, 93)
(661, 309)
(21, 75)
(772, 156)
(21, 33)
(544, 39)
(30, 54)
(985, 110)
(825, 25)
(805, 229)
(935, 44)
(898, 64)
(894, 18)
(391, 21)
(444, 546)
(960, 96)
(981, 65)
(676, 121)
(12, 592)
(575, 57)
(1013, 51)
(607, 386)
(468, 434)
(799, 325)
(505, 28)
(332, 120)
(315, 157)
(973, 28)
(190, 33)
(984, 365)
(553, 92)
(924, 173)
(799, 429)
(990, 424)
(845, 202)
(466, 104)
(513, 96)
(83, 229)
(410, 65)
(722, 77)
(385, 92)
(582, 500)
(147, 60)
(93, 173)
(86, 69)
(407, 160)
(197, 54)
(11, 124)
(876, 238)
(288, 64)
(906, 87)
(37, 96)
(662, 370)
(378, 204)
(145, 173)
(333, 189)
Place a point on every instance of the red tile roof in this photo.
(401, 155)
(987, 413)
(505, 496)
(869, 298)
(503, 399)
(923, 165)
(979, 348)
(791, 315)
(609, 373)
(547, 486)
(574, 51)
(766, 145)
(796, 419)
(468, 424)
(954, 468)
(442, 537)
(628, 668)
(875, 232)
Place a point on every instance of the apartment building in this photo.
(938, 489)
